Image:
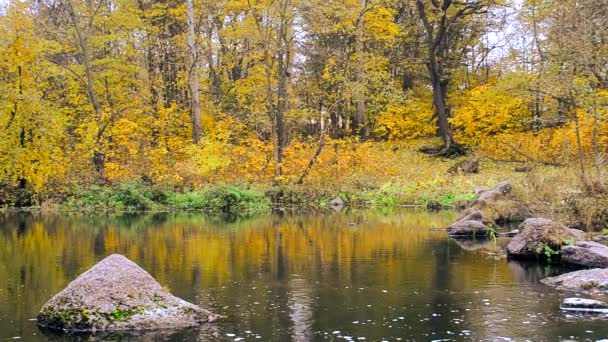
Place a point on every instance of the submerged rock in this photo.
(117, 295)
(474, 244)
(585, 280)
(468, 228)
(584, 305)
(586, 253)
(538, 235)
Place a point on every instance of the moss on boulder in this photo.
(117, 295)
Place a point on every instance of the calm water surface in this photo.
(360, 275)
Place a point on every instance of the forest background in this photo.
(129, 104)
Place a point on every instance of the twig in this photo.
(530, 158)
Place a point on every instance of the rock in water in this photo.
(537, 234)
(586, 280)
(584, 305)
(117, 295)
(586, 253)
(469, 228)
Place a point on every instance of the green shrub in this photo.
(124, 197)
(134, 197)
(194, 200)
(230, 199)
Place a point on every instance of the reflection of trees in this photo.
(197, 255)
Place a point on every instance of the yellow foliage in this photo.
(486, 111)
(411, 120)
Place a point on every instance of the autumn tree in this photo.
(31, 123)
(448, 30)
(193, 79)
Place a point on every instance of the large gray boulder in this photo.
(585, 280)
(538, 235)
(586, 254)
(117, 295)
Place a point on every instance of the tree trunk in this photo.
(360, 117)
(284, 64)
(441, 109)
(438, 49)
(83, 42)
(195, 103)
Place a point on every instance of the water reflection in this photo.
(290, 277)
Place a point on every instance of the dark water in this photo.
(294, 278)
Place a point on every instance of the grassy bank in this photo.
(395, 176)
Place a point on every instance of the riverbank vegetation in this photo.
(234, 105)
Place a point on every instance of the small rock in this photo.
(465, 166)
(523, 169)
(505, 210)
(600, 238)
(479, 189)
(433, 205)
(585, 280)
(586, 253)
(336, 202)
(584, 305)
(472, 214)
(501, 189)
(468, 228)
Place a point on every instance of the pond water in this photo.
(359, 275)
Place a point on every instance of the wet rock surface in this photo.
(584, 305)
(117, 295)
(468, 228)
(585, 280)
(537, 235)
(586, 254)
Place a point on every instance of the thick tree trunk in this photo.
(438, 48)
(441, 108)
(195, 103)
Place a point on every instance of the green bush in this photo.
(194, 200)
(449, 199)
(124, 197)
(134, 197)
(230, 199)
